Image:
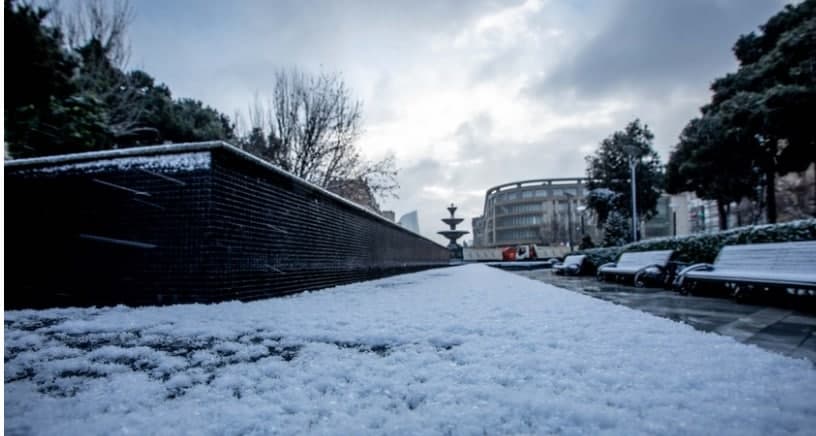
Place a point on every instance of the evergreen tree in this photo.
(190, 120)
(586, 243)
(617, 231)
(608, 171)
(709, 161)
(42, 111)
(768, 103)
(64, 102)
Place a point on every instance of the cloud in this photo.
(650, 47)
(467, 95)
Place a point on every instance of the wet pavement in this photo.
(780, 330)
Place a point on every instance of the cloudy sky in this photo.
(466, 94)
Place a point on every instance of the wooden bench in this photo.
(571, 265)
(751, 268)
(637, 266)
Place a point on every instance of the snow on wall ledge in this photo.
(187, 223)
(465, 350)
(165, 163)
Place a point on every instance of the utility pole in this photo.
(632, 153)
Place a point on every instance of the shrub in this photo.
(704, 247)
(616, 230)
(596, 257)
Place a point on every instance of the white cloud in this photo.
(467, 95)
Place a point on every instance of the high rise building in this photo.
(410, 221)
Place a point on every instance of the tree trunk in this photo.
(813, 198)
(722, 211)
(770, 196)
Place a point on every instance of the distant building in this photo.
(553, 212)
(659, 225)
(356, 190)
(541, 211)
(389, 215)
(690, 215)
(410, 221)
(795, 199)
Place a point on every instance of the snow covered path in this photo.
(464, 350)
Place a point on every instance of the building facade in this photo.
(541, 211)
(410, 221)
(662, 223)
(553, 212)
(795, 199)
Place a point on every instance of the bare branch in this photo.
(313, 124)
(104, 21)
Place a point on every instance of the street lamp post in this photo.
(569, 217)
(580, 210)
(632, 153)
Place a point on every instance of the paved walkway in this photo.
(780, 330)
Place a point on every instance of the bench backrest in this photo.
(575, 259)
(641, 259)
(781, 257)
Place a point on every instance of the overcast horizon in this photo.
(466, 95)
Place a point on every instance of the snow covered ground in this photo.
(463, 350)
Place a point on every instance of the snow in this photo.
(165, 163)
(520, 263)
(603, 194)
(460, 350)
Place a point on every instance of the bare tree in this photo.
(100, 20)
(380, 176)
(96, 30)
(313, 124)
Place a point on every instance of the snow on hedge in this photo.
(464, 350)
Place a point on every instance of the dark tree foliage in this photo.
(139, 112)
(190, 120)
(41, 68)
(256, 142)
(616, 230)
(60, 101)
(586, 243)
(710, 162)
(608, 170)
(767, 105)
(43, 114)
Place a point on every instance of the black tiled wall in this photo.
(234, 230)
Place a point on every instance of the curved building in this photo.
(410, 221)
(541, 211)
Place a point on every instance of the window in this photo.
(541, 193)
(527, 194)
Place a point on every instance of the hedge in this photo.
(704, 247)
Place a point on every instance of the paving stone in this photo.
(780, 330)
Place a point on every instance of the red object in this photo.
(522, 252)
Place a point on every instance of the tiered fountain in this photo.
(453, 234)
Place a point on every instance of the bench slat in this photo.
(631, 263)
(784, 264)
(789, 257)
